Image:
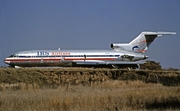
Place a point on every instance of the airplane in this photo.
(126, 55)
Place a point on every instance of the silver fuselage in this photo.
(35, 58)
(127, 54)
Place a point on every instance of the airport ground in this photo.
(54, 89)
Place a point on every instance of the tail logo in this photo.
(135, 48)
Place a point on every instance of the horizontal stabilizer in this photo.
(159, 33)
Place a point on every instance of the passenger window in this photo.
(13, 55)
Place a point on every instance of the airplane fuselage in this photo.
(63, 58)
(121, 55)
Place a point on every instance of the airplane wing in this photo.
(106, 63)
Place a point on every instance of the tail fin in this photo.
(141, 43)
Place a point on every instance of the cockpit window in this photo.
(13, 55)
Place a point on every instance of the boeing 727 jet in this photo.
(121, 55)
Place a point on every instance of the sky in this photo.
(89, 24)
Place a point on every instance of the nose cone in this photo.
(7, 61)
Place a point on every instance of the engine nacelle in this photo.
(114, 46)
(126, 47)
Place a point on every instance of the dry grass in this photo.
(54, 89)
(109, 96)
(77, 76)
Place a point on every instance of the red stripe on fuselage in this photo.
(53, 59)
(89, 58)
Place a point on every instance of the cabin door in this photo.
(84, 57)
(41, 60)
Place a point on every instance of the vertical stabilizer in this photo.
(142, 42)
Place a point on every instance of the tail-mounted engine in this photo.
(126, 47)
(115, 46)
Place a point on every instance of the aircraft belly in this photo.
(39, 62)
